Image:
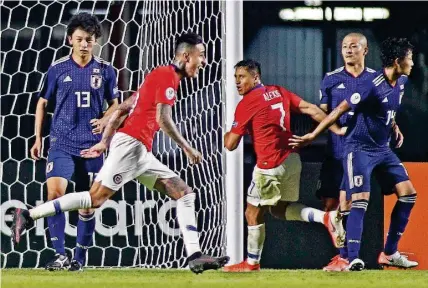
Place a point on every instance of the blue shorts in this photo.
(330, 181)
(65, 165)
(359, 166)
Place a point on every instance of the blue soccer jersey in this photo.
(375, 104)
(335, 87)
(79, 94)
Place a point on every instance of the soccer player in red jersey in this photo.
(264, 113)
(130, 154)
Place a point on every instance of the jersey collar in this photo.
(255, 87)
(77, 65)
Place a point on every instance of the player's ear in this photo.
(186, 56)
(366, 51)
(69, 40)
(397, 62)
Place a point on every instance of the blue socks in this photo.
(344, 250)
(56, 225)
(354, 228)
(399, 219)
(85, 230)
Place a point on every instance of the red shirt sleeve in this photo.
(242, 118)
(294, 99)
(166, 89)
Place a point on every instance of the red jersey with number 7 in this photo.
(160, 86)
(264, 113)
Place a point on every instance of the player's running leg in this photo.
(23, 219)
(255, 240)
(340, 262)
(406, 194)
(178, 190)
(59, 169)
(85, 173)
(56, 187)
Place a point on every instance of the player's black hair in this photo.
(85, 21)
(189, 38)
(393, 48)
(250, 65)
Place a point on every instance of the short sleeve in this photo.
(166, 92)
(111, 89)
(49, 84)
(323, 91)
(242, 118)
(362, 92)
(294, 99)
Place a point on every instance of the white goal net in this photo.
(136, 227)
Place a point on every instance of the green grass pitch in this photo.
(142, 278)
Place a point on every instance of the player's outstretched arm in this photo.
(164, 119)
(299, 141)
(115, 120)
(36, 150)
(99, 124)
(318, 115)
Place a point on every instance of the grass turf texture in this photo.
(129, 278)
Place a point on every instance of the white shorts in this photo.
(281, 183)
(129, 159)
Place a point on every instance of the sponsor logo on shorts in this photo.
(358, 180)
(234, 124)
(49, 167)
(117, 179)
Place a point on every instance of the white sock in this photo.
(187, 221)
(68, 202)
(256, 239)
(300, 212)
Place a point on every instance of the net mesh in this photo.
(136, 227)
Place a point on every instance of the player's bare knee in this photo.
(278, 211)
(405, 188)
(179, 194)
(361, 196)
(54, 194)
(254, 215)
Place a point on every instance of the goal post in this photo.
(136, 227)
(234, 161)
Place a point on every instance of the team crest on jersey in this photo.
(358, 181)
(169, 93)
(49, 167)
(96, 81)
(117, 179)
(355, 98)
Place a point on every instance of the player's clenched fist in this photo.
(194, 155)
(94, 151)
(36, 149)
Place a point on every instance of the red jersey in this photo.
(159, 86)
(264, 113)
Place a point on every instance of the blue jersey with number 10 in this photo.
(79, 94)
(375, 104)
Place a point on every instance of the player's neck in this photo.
(391, 75)
(179, 69)
(81, 61)
(355, 70)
